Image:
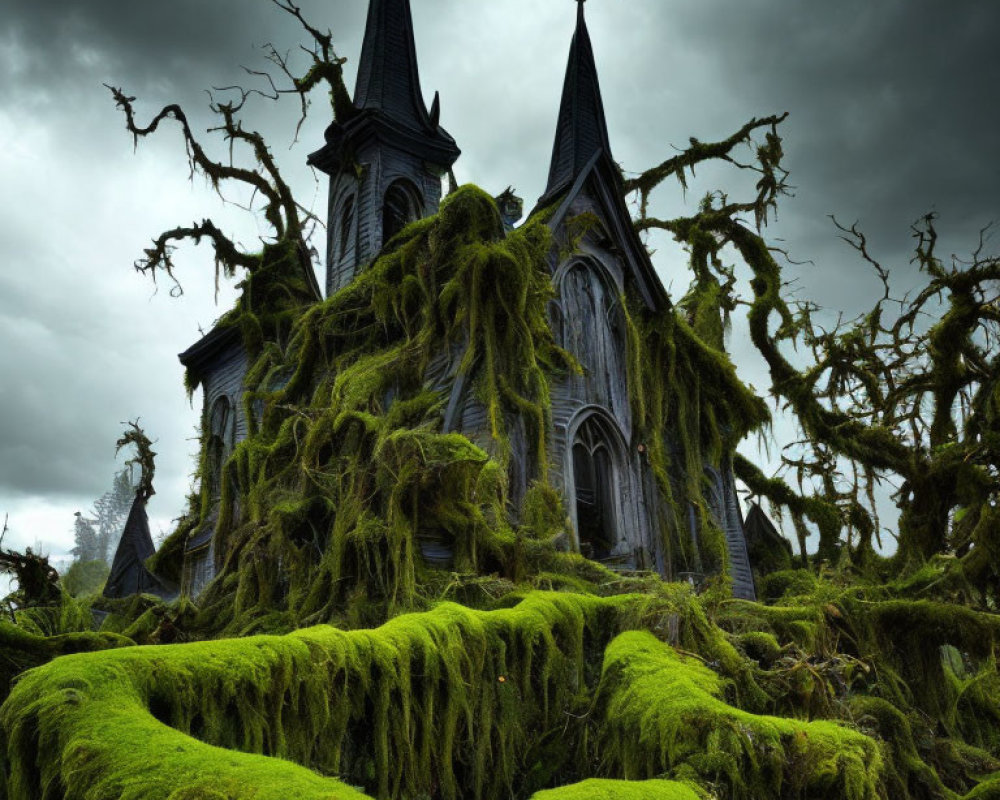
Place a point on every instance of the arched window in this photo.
(346, 226)
(400, 207)
(594, 488)
(219, 441)
(593, 331)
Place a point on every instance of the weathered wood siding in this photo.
(223, 379)
(588, 321)
(380, 166)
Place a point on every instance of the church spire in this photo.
(581, 130)
(388, 78)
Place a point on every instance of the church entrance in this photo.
(594, 489)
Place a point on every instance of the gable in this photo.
(598, 188)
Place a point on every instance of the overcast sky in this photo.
(892, 107)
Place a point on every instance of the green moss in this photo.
(447, 698)
(454, 698)
(989, 789)
(786, 584)
(597, 789)
(549, 688)
(761, 646)
(663, 714)
(22, 650)
(168, 560)
(695, 395)
(348, 466)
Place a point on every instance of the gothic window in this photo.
(219, 441)
(593, 331)
(401, 206)
(594, 487)
(346, 226)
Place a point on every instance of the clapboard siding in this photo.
(224, 378)
(379, 167)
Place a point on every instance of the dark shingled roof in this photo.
(581, 130)
(201, 356)
(387, 96)
(388, 80)
(582, 162)
(128, 572)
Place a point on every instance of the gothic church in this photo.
(385, 168)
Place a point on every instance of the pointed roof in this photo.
(388, 79)
(128, 572)
(387, 97)
(581, 131)
(582, 164)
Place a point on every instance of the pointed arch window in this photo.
(401, 206)
(594, 487)
(219, 441)
(593, 331)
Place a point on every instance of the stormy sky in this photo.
(892, 106)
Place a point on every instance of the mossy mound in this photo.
(663, 715)
(598, 789)
(21, 650)
(660, 692)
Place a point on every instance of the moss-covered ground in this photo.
(846, 692)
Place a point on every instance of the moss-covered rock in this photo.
(664, 714)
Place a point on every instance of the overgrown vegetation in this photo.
(810, 698)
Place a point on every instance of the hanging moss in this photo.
(348, 463)
(738, 699)
(692, 409)
(23, 649)
(348, 466)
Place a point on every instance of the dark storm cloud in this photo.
(892, 111)
(147, 42)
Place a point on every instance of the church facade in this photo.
(385, 168)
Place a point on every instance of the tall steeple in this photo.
(388, 80)
(581, 130)
(386, 161)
